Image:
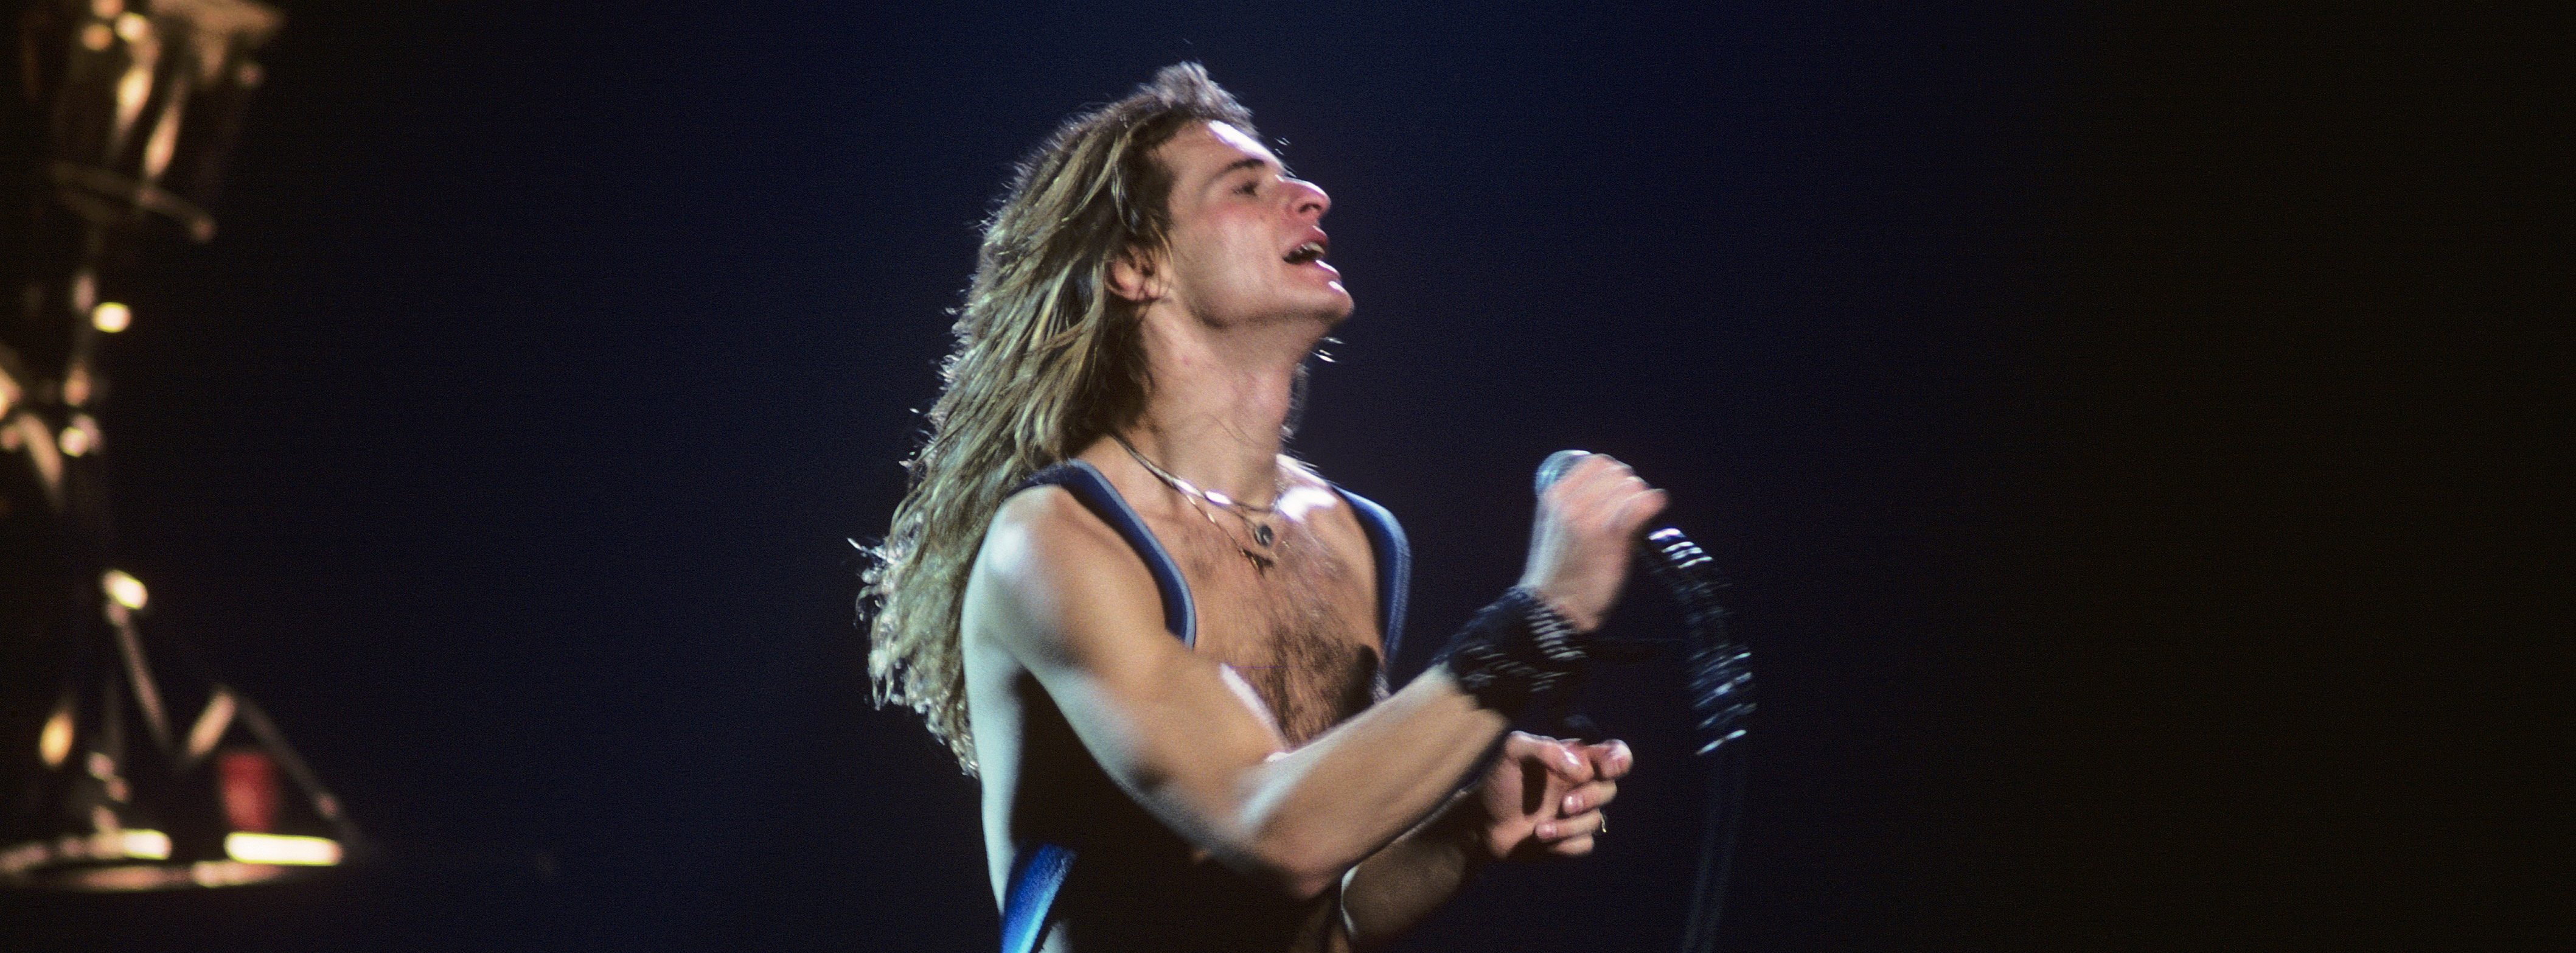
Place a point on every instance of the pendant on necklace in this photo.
(1261, 533)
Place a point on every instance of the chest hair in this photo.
(1303, 634)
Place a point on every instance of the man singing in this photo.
(1159, 641)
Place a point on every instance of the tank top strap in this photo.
(1086, 484)
(1394, 568)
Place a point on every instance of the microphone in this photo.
(1719, 672)
(1719, 678)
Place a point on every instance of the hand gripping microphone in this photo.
(1719, 676)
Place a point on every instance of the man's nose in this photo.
(1307, 198)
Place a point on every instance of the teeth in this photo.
(1307, 252)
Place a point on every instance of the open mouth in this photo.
(1308, 252)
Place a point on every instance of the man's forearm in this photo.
(1346, 796)
(1405, 756)
(1398, 886)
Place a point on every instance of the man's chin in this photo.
(1338, 309)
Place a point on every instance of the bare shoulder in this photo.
(1040, 529)
(1050, 571)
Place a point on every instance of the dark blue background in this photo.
(506, 443)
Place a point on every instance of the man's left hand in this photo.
(1543, 796)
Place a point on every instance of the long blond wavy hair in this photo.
(1046, 362)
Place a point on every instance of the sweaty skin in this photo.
(1261, 791)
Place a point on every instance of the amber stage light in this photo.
(123, 769)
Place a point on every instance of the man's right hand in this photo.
(1586, 528)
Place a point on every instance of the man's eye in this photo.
(1249, 187)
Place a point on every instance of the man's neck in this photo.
(1220, 397)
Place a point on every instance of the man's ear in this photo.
(1133, 276)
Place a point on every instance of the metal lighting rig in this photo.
(123, 764)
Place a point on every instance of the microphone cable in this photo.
(1718, 679)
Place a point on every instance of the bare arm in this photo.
(1066, 598)
(1396, 887)
(1073, 605)
(1542, 797)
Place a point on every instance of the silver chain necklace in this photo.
(1261, 532)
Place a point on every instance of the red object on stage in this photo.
(247, 778)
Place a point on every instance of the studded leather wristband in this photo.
(1515, 650)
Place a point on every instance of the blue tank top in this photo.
(1040, 868)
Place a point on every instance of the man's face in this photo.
(1244, 244)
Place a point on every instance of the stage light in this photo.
(140, 102)
(237, 805)
(250, 848)
(54, 743)
(125, 589)
(131, 91)
(143, 845)
(76, 440)
(114, 844)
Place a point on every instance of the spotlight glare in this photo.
(148, 845)
(252, 848)
(125, 589)
(55, 742)
(111, 317)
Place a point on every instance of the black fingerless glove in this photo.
(1515, 650)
